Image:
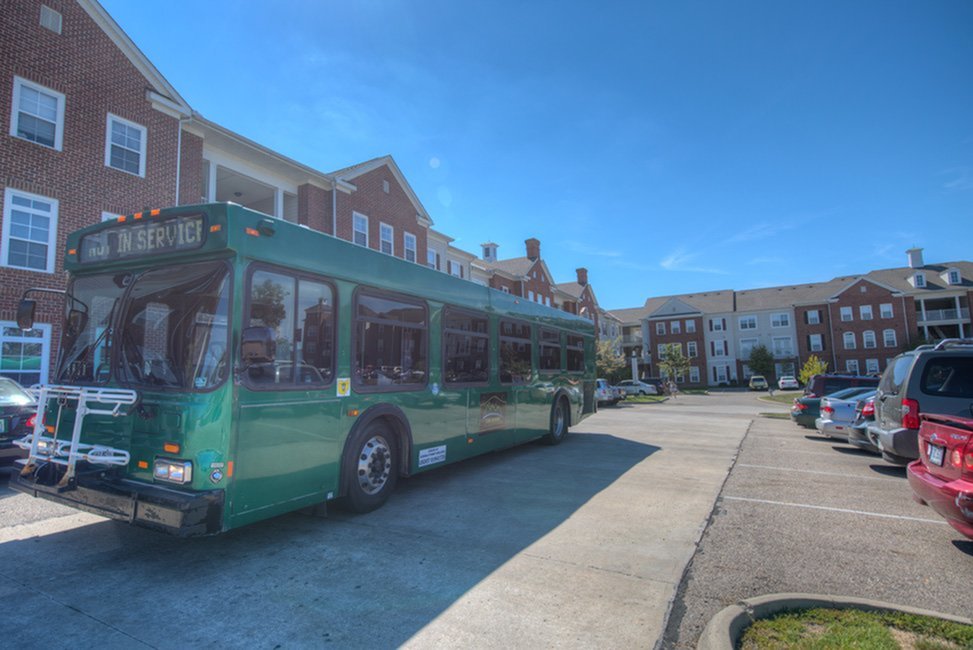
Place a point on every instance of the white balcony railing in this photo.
(943, 314)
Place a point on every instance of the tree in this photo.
(761, 361)
(609, 359)
(673, 364)
(813, 366)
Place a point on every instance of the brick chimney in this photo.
(915, 258)
(582, 276)
(533, 249)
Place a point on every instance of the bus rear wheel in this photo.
(560, 417)
(372, 468)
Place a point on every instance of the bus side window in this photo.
(515, 352)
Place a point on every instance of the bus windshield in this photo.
(168, 327)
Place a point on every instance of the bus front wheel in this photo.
(560, 418)
(372, 467)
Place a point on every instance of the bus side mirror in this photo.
(77, 319)
(258, 345)
(25, 314)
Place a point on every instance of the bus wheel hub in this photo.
(374, 465)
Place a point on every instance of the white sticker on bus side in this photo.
(432, 456)
(344, 387)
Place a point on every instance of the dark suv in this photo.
(930, 379)
(821, 385)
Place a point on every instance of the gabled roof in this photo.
(163, 93)
(674, 307)
(517, 267)
(708, 302)
(630, 316)
(575, 290)
(354, 171)
(855, 281)
(898, 278)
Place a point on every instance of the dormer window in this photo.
(919, 280)
(952, 276)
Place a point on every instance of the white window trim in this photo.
(143, 141)
(52, 234)
(751, 322)
(865, 337)
(863, 310)
(881, 310)
(849, 311)
(660, 328)
(786, 350)
(354, 222)
(45, 341)
(885, 339)
(675, 327)
(692, 351)
(406, 238)
(783, 319)
(851, 365)
(870, 364)
(816, 318)
(820, 342)
(849, 336)
(690, 327)
(693, 374)
(381, 237)
(920, 280)
(19, 82)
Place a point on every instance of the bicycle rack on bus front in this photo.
(49, 449)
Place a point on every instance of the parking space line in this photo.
(845, 510)
(815, 471)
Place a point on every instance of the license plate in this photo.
(936, 454)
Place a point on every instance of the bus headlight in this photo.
(176, 471)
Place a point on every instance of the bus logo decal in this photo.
(344, 387)
(493, 411)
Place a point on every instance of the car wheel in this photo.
(559, 423)
(371, 468)
(642, 392)
(895, 459)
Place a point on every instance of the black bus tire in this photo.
(560, 419)
(371, 467)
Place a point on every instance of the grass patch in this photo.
(781, 398)
(777, 416)
(645, 399)
(815, 629)
(694, 391)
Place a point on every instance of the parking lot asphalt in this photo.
(577, 545)
(803, 513)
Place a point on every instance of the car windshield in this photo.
(169, 327)
(11, 394)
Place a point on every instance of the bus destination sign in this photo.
(139, 238)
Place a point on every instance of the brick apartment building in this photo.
(857, 324)
(96, 131)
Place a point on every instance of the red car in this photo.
(942, 478)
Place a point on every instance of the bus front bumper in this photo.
(150, 506)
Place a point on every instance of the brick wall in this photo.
(512, 286)
(866, 293)
(539, 284)
(682, 338)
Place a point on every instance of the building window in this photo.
(660, 328)
(851, 365)
(885, 310)
(812, 317)
(29, 231)
(515, 352)
(871, 366)
(815, 343)
(718, 348)
(849, 339)
(691, 327)
(780, 320)
(661, 350)
(783, 346)
(691, 350)
(24, 353)
(717, 324)
(385, 235)
(385, 186)
(953, 276)
(51, 19)
(868, 340)
(361, 229)
(920, 280)
(675, 327)
(889, 339)
(505, 289)
(693, 375)
(466, 348)
(865, 312)
(37, 114)
(575, 353)
(390, 341)
(846, 314)
(454, 268)
(748, 322)
(410, 246)
(720, 374)
(125, 145)
(530, 296)
(432, 259)
(747, 346)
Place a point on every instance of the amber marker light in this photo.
(215, 227)
(353, 413)
(229, 469)
(253, 232)
(143, 464)
(137, 216)
(171, 448)
(122, 219)
(72, 251)
(155, 213)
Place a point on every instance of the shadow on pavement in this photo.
(853, 451)
(964, 545)
(889, 470)
(374, 579)
(818, 438)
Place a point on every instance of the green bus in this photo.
(218, 367)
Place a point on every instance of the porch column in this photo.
(211, 186)
(278, 203)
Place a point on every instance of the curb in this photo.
(725, 628)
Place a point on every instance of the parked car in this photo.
(759, 382)
(838, 415)
(788, 382)
(17, 408)
(605, 393)
(806, 410)
(635, 387)
(618, 393)
(821, 385)
(858, 433)
(942, 478)
(930, 379)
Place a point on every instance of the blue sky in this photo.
(668, 147)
